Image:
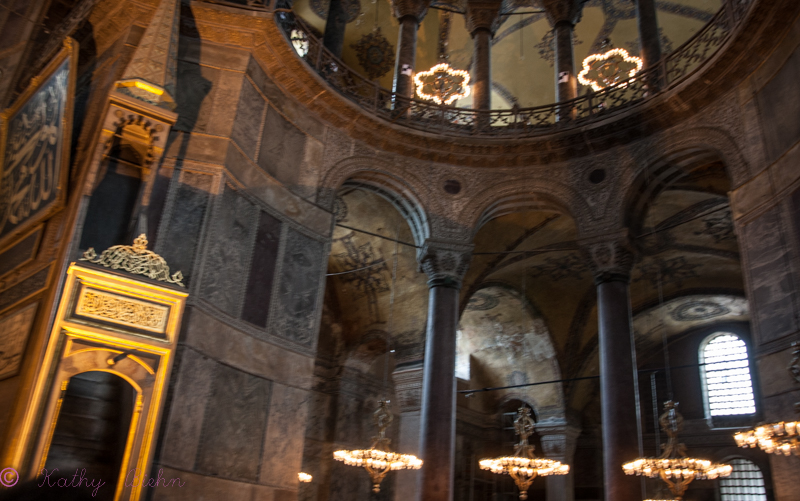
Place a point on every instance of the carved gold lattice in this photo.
(104, 306)
(135, 259)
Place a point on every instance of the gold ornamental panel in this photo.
(126, 311)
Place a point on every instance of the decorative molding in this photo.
(444, 262)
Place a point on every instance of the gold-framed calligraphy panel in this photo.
(35, 136)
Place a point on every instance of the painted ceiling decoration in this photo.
(375, 54)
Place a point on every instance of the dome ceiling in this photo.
(522, 53)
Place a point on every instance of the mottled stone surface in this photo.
(771, 282)
(295, 306)
(282, 148)
(21, 252)
(780, 100)
(207, 488)
(234, 425)
(180, 233)
(228, 252)
(185, 411)
(249, 116)
(283, 444)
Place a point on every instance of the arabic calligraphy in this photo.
(32, 158)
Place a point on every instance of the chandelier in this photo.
(442, 84)
(378, 460)
(777, 438)
(607, 69)
(524, 466)
(304, 477)
(674, 467)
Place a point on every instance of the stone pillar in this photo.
(445, 263)
(409, 13)
(482, 21)
(333, 38)
(408, 389)
(564, 15)
(566, 79)
(649, 39)
(558, 439)
(611, 262)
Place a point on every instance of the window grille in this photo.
(746, 482)
(728, 386)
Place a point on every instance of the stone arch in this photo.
(664, 161)
(406, 194)
(513, 196)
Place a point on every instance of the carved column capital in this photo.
(610, 257)
(483, 15)
(445, 262)
(563, 11)
(558, 439)
(414, 8)
(408, 386)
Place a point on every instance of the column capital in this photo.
(558, 438)
(414, 8)
(610, 256)
(445, 262)
(483, 15)
(563, 11)
(408, 386)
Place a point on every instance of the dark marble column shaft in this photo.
(333, 38)
(438, 419)
(566, 80)
(482, 70)
(649, 39)
(617, 389)
(406, 56)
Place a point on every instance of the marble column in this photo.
(445, 264)
(333, 38)
(408, 389)
(558, 438)
(563, 16)
(409, 14)
(566, 79)
(483, 19)
(611, 262)
(649, 37)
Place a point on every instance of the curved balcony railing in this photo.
(671, 71)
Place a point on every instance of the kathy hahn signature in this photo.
(133, 479)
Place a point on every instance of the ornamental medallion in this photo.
(375, 54)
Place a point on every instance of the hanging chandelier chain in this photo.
(391, 316)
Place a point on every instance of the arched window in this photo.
(726, 376)
(746, 483)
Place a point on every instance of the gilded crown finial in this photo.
(135, 259)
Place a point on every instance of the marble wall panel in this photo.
(770, 273)
(247, 126)
(779, 100)
(228, 252)
(194, 96)
(262, 271)
(282, 149)
(295, 309)
(283, 445)
(179, 237)
(234, 425)
(185, 411)
(204, 488)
